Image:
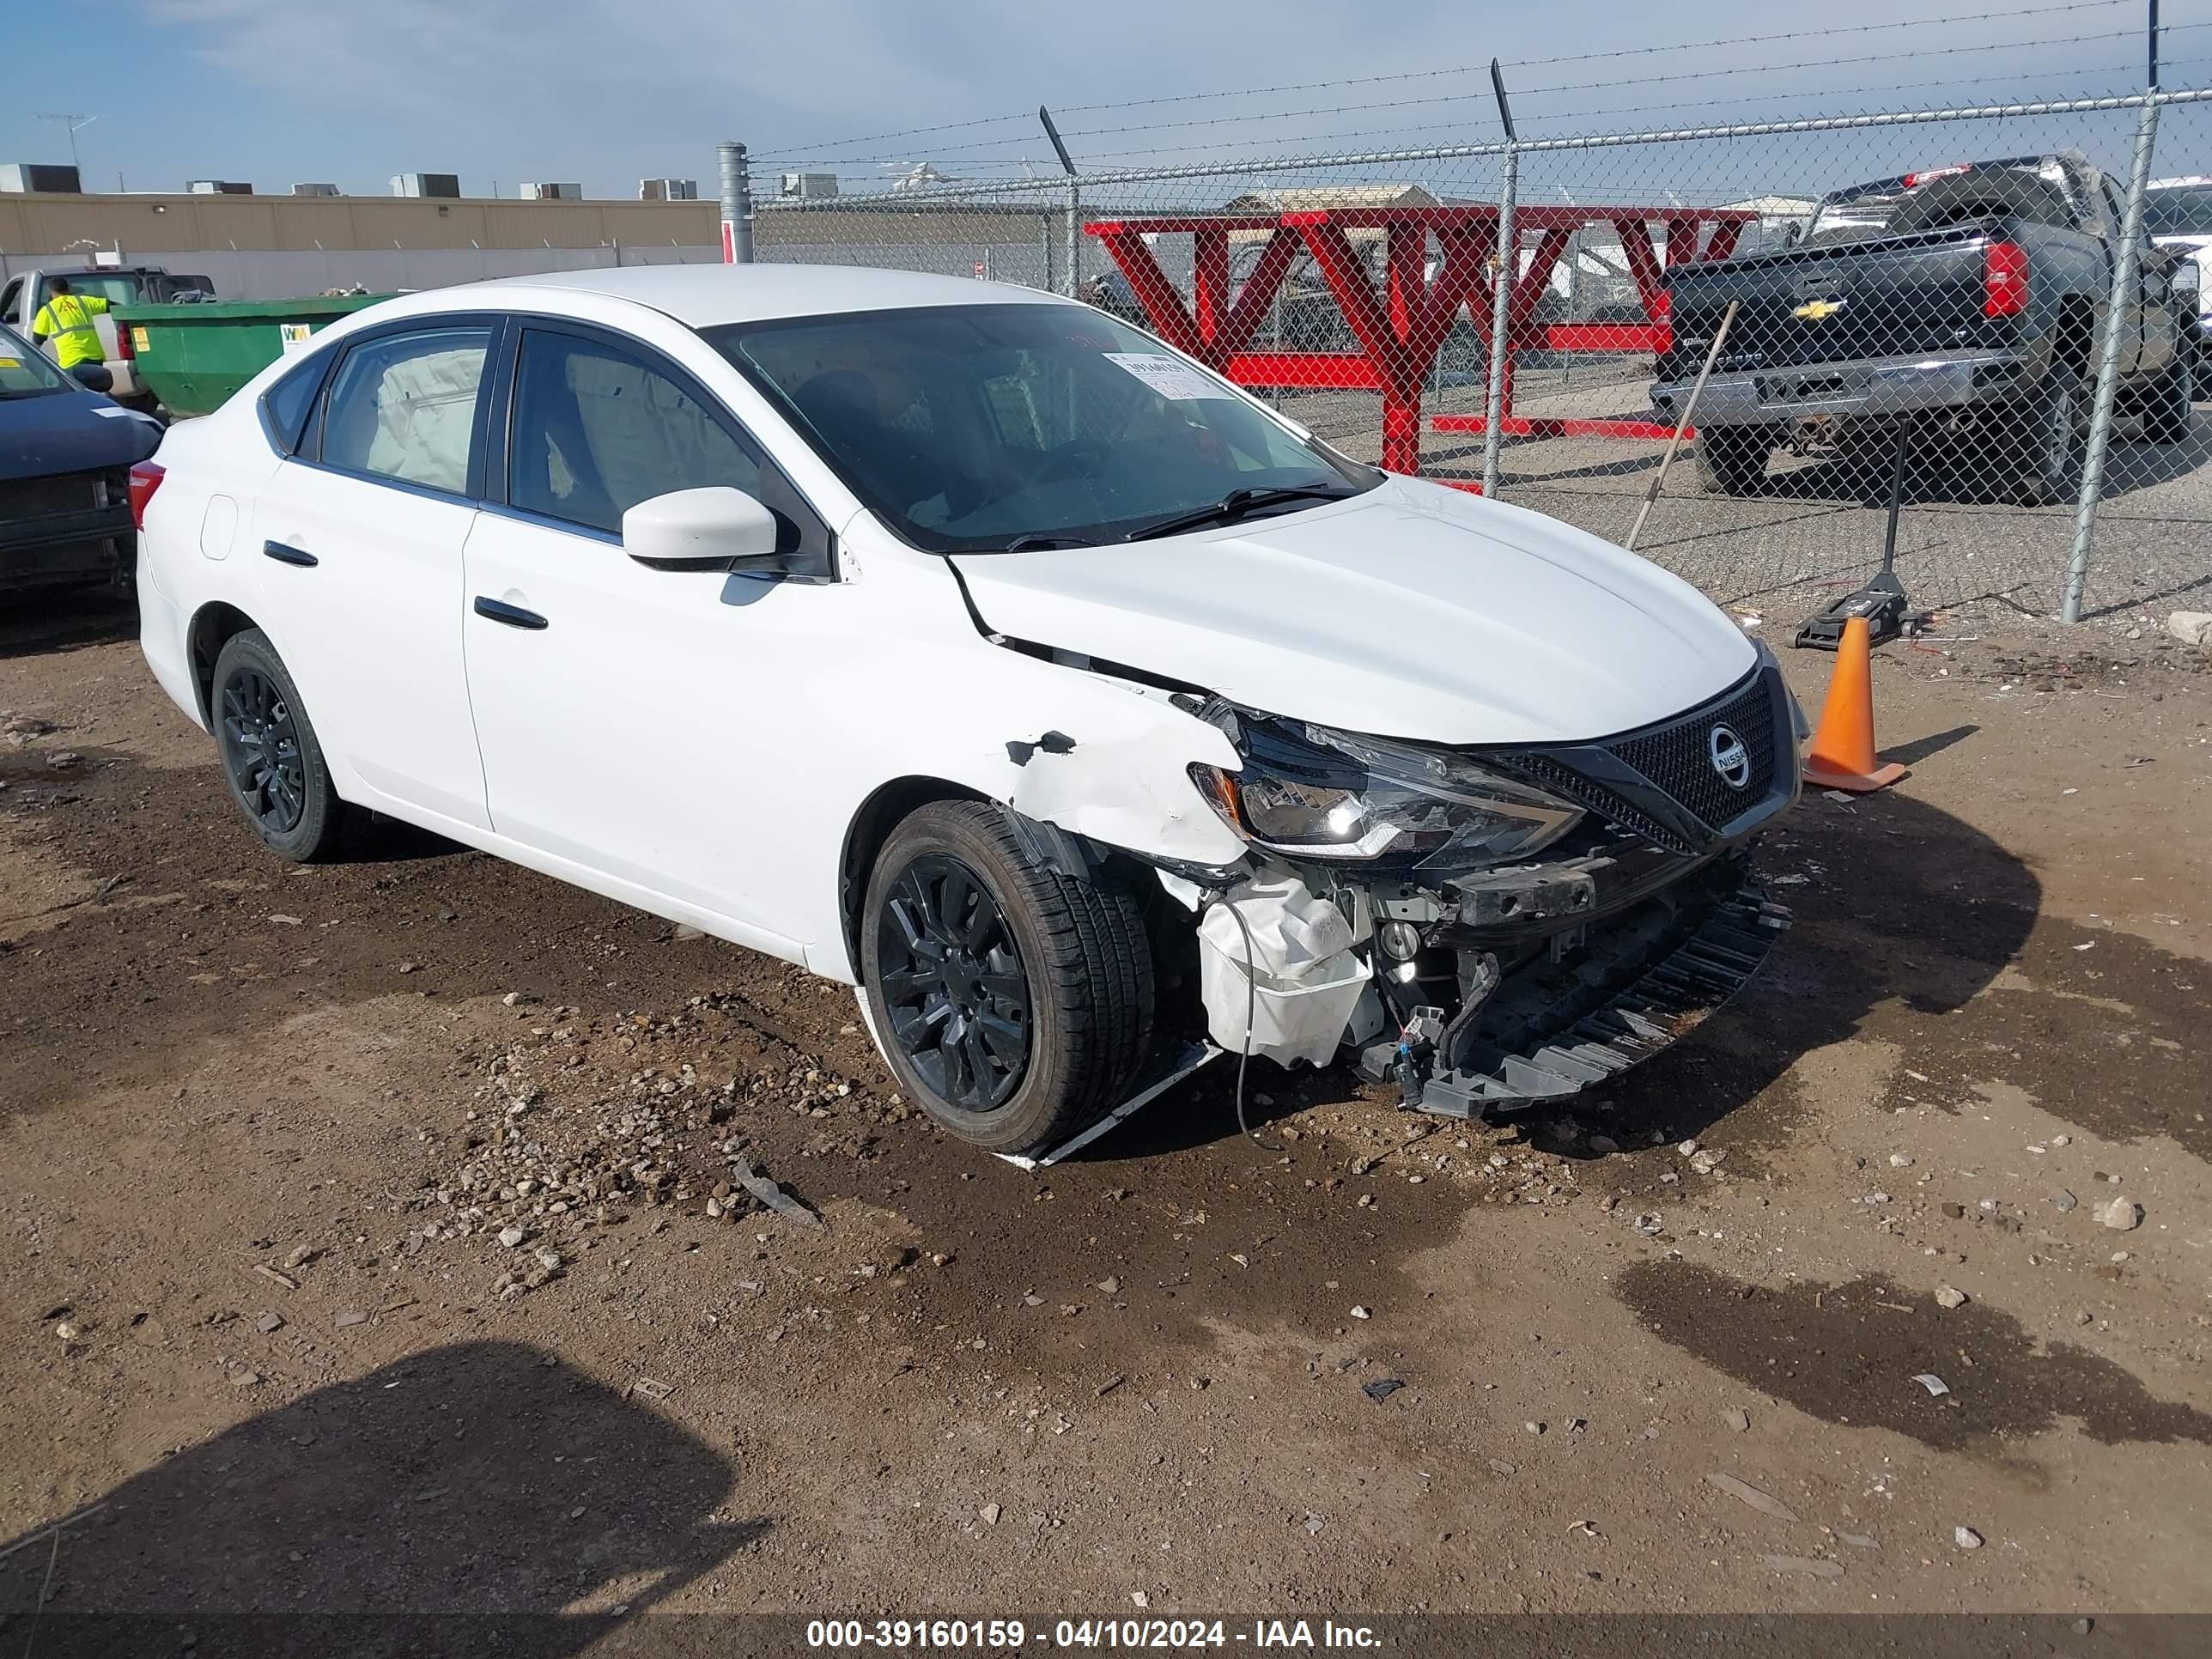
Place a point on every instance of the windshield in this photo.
(24, 373)
(971, 429)
(2183, 212)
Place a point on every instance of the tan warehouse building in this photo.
(260, 247)
(49, 224)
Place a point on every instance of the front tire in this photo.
(272, 761)
(1013, 1002)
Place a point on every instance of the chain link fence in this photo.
(1991, 314)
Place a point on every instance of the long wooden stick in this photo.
(1659, 478)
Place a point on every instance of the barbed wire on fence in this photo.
(1488, 116)
(1216, 167)
(1027, 118)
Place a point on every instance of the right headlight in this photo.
(1309, 791)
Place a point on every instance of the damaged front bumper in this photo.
(1493, 989)
(1562, 1021)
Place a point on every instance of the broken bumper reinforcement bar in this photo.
(1566, 1048)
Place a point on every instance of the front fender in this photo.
(1091, 754)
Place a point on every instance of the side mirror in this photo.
(716, 528)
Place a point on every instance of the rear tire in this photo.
(2043, 441)
(2171, 405)
(1013, 1001)
(1732, 460)
(272, 761)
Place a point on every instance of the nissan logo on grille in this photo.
(1730, 757)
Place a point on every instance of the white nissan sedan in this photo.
(967, 645)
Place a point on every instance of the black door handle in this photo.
(513, 615)
(284, 555)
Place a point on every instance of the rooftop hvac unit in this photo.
(811, 185)
(552, 192)
(25, 178)
(425, 183)
(217, 187)
(668, 190)
(314, 190)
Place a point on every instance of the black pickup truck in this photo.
(1970, 300)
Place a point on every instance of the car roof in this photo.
(704, 295)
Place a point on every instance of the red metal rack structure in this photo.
(1402, 328)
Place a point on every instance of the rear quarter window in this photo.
(286, 405)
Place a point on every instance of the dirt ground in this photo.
(358, 1254)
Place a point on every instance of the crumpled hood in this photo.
(1413, 611)
(66, 432)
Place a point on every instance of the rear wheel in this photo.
(2043, 442)
(1732, 460)
(1013, 1002)
(2168, 415)
(271, 759)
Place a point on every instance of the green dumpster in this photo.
(194, 357)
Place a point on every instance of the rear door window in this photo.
(403, 407)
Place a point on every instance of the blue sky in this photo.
(603, 93)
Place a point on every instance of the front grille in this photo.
(40, 498)
(1678, 758)
(1596, 799)
(1675, 759)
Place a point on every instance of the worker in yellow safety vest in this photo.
(66, 319)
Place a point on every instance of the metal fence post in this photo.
(737, 205)
(1501, 311)
(1044, 246)
(1574, 302)
(1074, 240)
(2123, 305)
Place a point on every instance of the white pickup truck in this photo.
(25, 291)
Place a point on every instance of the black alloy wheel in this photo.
(261, 748)
(954, 985)
(272, 760)
(1009, 989)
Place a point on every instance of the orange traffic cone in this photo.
(1842, 757)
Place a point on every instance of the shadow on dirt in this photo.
(1936, 472)
(390, 1514)
(1849, 1354)
(1911, 754)
(37, 624)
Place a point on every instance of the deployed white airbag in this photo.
(1300, 979)
(424, 404)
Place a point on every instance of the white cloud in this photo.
(605, 93)
(584, 83)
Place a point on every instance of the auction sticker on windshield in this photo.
(1175, 381)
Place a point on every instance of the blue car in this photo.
(66, 488)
